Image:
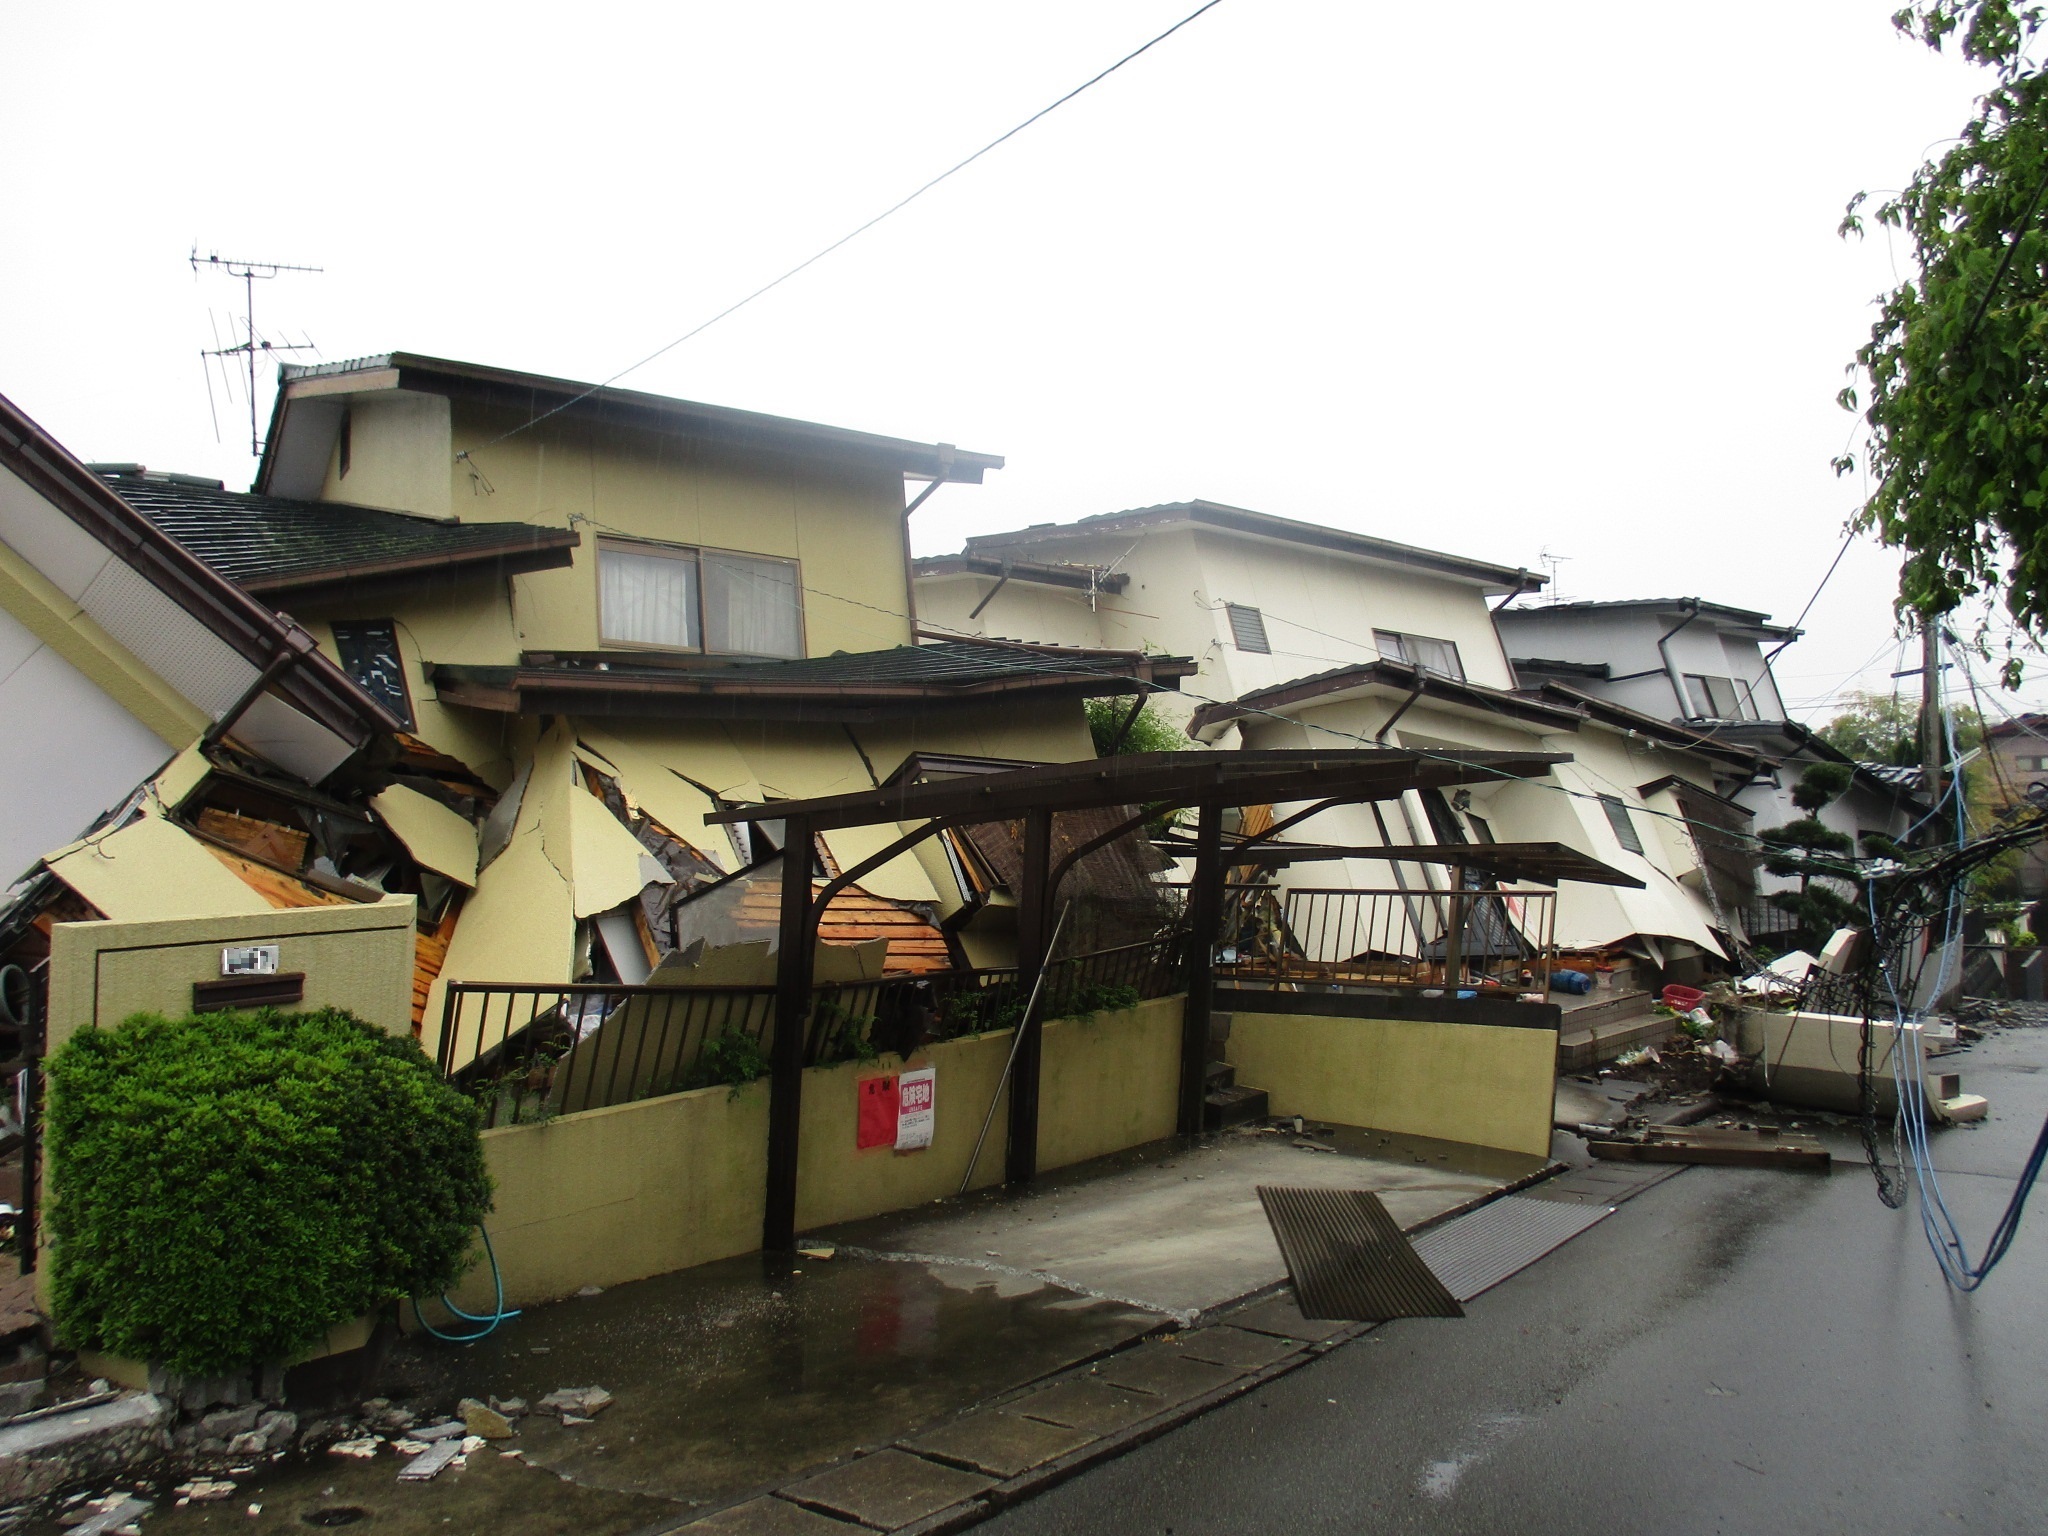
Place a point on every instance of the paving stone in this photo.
(1089, 1404)
(768, 1517)
(889, 1489)
(1166, 1373)
(1282, 1318)
(1235, 1347)
(1000, 1442)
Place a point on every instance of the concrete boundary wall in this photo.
(617, 1194)
(1481, 1084)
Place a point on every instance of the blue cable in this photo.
(489, 1321)
(1909, 1129)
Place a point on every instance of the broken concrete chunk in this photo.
(482, 1420)
(367, 1446)
(583, 1402)
(112, 1513)
(439, 1431)
(511, 1407)
(204, 1490)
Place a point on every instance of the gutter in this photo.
(1691, 608)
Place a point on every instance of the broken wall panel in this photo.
(438, 837)
(152, 869)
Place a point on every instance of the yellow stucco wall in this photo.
(1481, 1084)
(843, 521)
(1109, 1082)
(619, 1194)
(358, 957)
(399, 456)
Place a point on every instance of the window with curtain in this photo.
(685, 599)
(751, 606)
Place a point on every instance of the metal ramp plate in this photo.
(1475, 1252)
(1349, 1260)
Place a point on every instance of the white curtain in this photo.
(751, 607)
(648, 598)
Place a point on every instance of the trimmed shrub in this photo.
(227, 1186)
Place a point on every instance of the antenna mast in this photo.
(251, 345)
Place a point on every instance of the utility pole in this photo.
(1931, 734)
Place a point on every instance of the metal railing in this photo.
(1417, 938)
(532, 1051)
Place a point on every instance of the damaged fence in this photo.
(1416, 937)
(532, 1051)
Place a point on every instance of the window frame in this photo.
(335, 629)
(1258, 620)
(1403, 654)
(694, 554)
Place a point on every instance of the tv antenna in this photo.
(1552, 561)
(252, 345)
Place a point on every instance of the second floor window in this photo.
(1719, 698)
(1624, 826)
(1438, 656)
(678, 598)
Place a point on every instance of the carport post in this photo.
(1205, 919)
(1021, 1165)
(792, 1014)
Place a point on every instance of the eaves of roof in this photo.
(533, 394)
(1621, 717)
(302, 549)
(870, 685)
(1263, 525)
(1397, 676)
(312, 684)
(1736, 618)
(1081, 578)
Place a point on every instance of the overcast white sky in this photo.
(1499, 279)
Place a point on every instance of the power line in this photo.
(853, 234)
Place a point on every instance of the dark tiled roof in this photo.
(270, 544)
(1894, 775)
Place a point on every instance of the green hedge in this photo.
(226, 1187)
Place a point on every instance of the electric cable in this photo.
(853, 234)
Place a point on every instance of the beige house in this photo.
(600, 615)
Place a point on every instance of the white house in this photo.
(1309, 636)
(1703, 664)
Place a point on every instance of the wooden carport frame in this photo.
(1208, 782)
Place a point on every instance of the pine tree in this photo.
(1816, 853)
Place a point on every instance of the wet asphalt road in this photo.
(1734, 1351)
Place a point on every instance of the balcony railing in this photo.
(1502, 942)
(530, 1052)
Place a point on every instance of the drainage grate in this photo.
(1477, 1251)
(1348, 1259)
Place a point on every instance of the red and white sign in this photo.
(916, 1105)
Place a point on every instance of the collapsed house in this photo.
(153, 708)
(596, 618)
(1308, 636)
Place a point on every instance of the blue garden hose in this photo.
(487, 1322)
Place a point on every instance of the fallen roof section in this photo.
(862, 686)
(1164, 779)
(279, 547)
(1286, 530)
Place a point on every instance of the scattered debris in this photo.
(367, 1446)
(581, 1403)
(483, 1421)
(1313, 1146)
(591, 1290)
(816, 1250)
(1746, 1148)
(204, 1490)
(100, 1516)
(444, 1430)
(511, 1407)
(430, 1462)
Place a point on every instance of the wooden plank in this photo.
(1758, 1154)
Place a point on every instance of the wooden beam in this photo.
(1205, 919)
(1021, 1165)
(796, 932)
